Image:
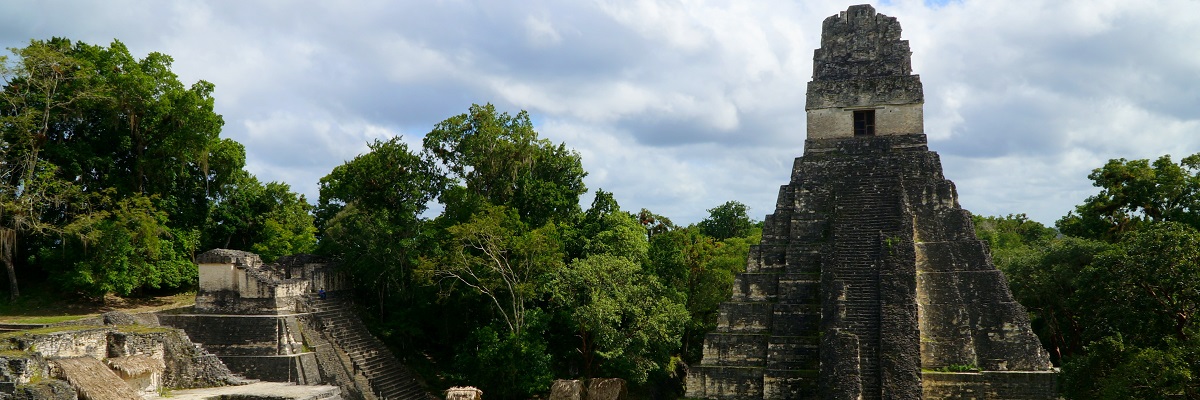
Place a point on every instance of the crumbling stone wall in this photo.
(246, 312)
(51, 389)
(267, 347)
(24, 355)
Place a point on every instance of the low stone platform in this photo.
(261, 390)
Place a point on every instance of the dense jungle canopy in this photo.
(113, 175)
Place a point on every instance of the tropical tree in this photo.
(268, 219)
(1144, 293)
(42, 85)
(498, 158)
(727, 220)
(1137, 192)
(369, 216)
(654, 223)
(89, 129)
(128, 249)
(506, 365)
(1153, 280)
(628, 324)
(605, 229)
(499, 257)
(701, 270)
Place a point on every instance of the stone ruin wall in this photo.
(28, 364)
(238, 282)
(246, 312)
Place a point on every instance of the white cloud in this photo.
(541, 32)
(676, 106)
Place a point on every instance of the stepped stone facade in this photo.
(267, 321)
(869, 277)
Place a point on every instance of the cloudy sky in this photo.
(675, 106)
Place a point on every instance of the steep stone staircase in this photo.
(868, 217)
(389, 379)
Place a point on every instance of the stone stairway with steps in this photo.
(868, 219)
(831, 227)
(389, 379)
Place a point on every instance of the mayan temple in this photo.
(869, 282)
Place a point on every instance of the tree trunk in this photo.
(8, 246)
(13, 293)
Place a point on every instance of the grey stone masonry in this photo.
(869, 277)
(859, 43)
(862, 62)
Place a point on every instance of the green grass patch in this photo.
(48, 330)
(142, 329)
(45, 320)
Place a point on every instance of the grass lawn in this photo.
(36, 306)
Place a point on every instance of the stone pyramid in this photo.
(869, 282)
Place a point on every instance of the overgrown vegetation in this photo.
(1115, 290)
(519, 275)
(113, 175)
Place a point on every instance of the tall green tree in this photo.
(628, 324)
(145, 134)
(1153, 281)
(1137, 192)
(369, 215)
(605, 229)
(499, 257)
(701, 270)
(42, 85)
(654, 223)
(268, 219)
(87, 129)
(503, 364)
(727, 220)
(128, 249)
(499, 158)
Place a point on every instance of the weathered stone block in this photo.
(606, 389)
(791, 383)
(51, 389)
(745, 317)
(795, 319)
(793, 353)
(724, 382)
(464, 393)
(736, 349)
(959, 255)
(563, 389)
(755, 287)
(799, 288)
(990, 385)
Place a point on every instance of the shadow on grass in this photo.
(46, 305)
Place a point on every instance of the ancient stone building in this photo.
(869, 282)
(267, 321)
